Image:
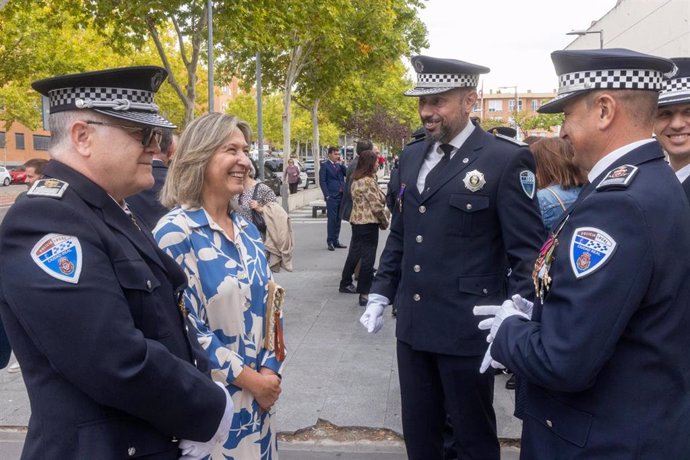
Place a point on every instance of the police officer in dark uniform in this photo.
(90, 304)
(604, 357)
(466, 217)
(672, 126)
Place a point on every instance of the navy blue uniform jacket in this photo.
(146, 205)
(106, 362)
(451, 249)
(605, 357)
(332, 179)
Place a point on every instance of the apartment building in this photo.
(500, 106)
(20, 143)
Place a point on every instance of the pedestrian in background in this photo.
(332, 183)
(369, 214)
(672, 125)
(254, 198)
(291, 175)
(559, 181)
(465, 231)
(346, 202)
(601, 357)
(229, 278)
(110, 368)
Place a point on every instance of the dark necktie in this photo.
(440, 166)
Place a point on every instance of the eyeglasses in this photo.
(141, 133)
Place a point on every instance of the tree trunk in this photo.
(315, 137)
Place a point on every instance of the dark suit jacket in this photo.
(686, 188)
(332, 179)
(108, 361)
(146, 206)
(346, 203)
(605, 357)
(451, 249)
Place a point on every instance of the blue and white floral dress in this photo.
(226, 299)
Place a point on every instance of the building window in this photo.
(476, 107)
(19, 141)
(511, 105)
(535, 105)
(2, 139)
(495, 105)
(41, 142)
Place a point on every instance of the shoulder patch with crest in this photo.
(59, 256)
(53, 188)
(590, 249)
(618, 178)
(528, 182)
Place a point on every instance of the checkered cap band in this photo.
(446, 80)
(114, 98)
(676, 86)
(643, 79)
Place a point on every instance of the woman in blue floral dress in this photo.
(224, 259)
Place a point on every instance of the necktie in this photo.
(131, 216)
(440, 166)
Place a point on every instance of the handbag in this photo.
(257, 217)
(273, 334)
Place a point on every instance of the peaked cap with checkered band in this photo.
(616, 68)
(435, 75)
(125, 93)
(677, 88)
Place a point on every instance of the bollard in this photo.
(285, 195)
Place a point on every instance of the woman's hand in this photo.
(263, 385)
(255, 206)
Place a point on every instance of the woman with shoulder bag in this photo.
(291, 174)
(254, 198)
(369, 214)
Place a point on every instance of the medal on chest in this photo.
(540, 274)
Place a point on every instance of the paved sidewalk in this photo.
(335, 371)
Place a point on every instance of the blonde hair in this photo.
(198, 143)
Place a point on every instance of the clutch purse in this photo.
(273, 336)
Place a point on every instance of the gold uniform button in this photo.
(417, 268)
(549, 423)
(131, 451)
(422, 209)
(416, 297)
(419, 238)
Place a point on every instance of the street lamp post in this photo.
(516, 107)
(586, 32)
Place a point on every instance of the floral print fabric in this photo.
(226, 300)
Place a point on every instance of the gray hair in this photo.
(59, 124)
(197, 145)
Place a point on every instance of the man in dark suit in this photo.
(672, 126)
(90, 303)
(602, 356)
(466, 226)
(332, 183)
(146, 205)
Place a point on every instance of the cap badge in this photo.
(474, 181)
(418, 66)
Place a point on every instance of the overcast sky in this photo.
(514, 38)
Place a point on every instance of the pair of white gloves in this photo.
(194, 450)
(517, 306)
(372, 319)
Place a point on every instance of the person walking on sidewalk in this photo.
(89, 302)
(332, 183)
(465, 229)
(369, 214)
(602, 356)
(291, 175)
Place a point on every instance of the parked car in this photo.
(270, 179)
(17, 173)
(309, 169)
(5, 178)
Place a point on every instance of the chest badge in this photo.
(528, 183)
(59, 256)
(590, 249)
(474, 181)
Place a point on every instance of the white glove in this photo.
(372, 318)
(193, 450)
(489, 361)
(500, 313)
(523, 305)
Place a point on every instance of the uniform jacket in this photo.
(146, 205)
(106, 360)
(686, 188)
(605, 357)
(332, 179)
(451, 249)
